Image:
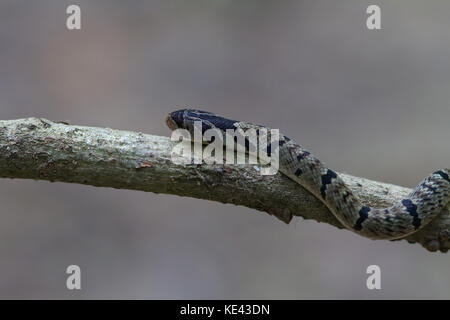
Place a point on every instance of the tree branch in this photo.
(41, 149)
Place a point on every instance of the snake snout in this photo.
(175, 119)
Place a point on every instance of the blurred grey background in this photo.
(370, 103)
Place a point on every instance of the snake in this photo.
(401, 219)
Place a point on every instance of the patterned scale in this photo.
(403, 218)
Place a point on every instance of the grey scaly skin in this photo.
(403, 218)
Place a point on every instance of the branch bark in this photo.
(40, 149)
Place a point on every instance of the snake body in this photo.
(401, 219)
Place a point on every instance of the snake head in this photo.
(174, 120)
(185, 119)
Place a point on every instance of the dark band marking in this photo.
(220, 122)
(429, 188)
(326, 179)
(298, 172)
(283, 140)
(363, 215)
(412, 210)
(303, 155)
(443, 175)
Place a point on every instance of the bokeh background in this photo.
(370, 103)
